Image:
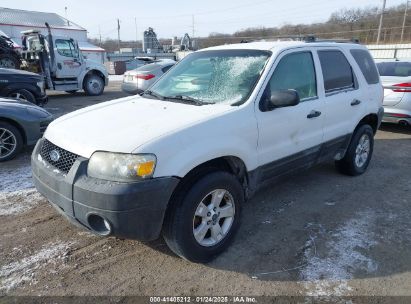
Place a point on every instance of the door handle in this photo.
(314, 114)
(355, 102)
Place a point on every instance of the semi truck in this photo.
(59, 60)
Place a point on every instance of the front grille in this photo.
(64, 162)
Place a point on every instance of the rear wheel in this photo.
(358, 155)
(22, 94)
(93, 85)
(11, 141)
(202, 222)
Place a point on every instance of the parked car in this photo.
(22, 85)
(138, 80)
(21, 124)
(180, 161)
(396, 79)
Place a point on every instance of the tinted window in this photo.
(165, 69)
(367, 65)
(399, 69)
(295, 71)
(337, 71)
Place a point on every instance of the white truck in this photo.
(180, 160)
(60, 61)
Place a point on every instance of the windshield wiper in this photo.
(188, 99)
(153, 94)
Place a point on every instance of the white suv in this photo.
(180, 160)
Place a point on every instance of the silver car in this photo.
(138, 80)
(396, 79)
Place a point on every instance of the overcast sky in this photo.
(174, 18)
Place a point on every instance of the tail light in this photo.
(145, 76)
(402, 87)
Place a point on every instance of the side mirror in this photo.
(282, 98)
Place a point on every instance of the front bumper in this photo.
(132, 210)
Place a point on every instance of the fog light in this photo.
(99, 224)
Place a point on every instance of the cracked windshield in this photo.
(224, 76)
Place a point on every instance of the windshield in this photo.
(221, 76)
(399, 69)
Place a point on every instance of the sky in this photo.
(174, 18)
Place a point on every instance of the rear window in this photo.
(337, 71)
(367, 65)
(149, 67)
(398, 69)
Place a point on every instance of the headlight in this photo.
(121, 167)
(40, 84)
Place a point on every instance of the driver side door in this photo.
(290, 137)
(67, 59)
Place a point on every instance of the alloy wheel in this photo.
(8, 143)
(362, 151)
(213, 217)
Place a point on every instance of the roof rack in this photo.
(312, 39)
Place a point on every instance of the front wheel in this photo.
(202, 223)
(359, 152)
(93, 85)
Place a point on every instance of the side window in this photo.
(295, 71)
(367, 65)
(337, 71)
(66, 48)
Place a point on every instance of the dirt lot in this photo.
(316, 233)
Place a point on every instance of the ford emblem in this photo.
(54, 155)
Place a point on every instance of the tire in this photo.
(357, 159)
(181, 220)
(93, 85)
(22, 94)
(10, 139)
(72, 91)
(8, 61)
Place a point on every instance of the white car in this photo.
(180, 160)
(396, 79)
(138, 80)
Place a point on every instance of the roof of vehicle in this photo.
(9, 16)
(279, 44)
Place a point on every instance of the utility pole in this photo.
(193, 26)
(381, 18)
(118, 34)
(403, 21)
(135, 23)
(99, 33)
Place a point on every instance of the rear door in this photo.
(345, 103)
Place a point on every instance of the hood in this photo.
(13, 75)
(123, 125)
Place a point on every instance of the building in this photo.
(13, 22)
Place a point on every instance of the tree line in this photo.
(357, 23)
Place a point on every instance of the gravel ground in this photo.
(318, 233)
